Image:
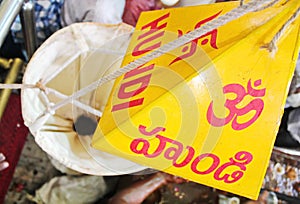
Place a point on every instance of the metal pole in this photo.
(16, 66)
(5, 63)
(29, 28)
(9, 9)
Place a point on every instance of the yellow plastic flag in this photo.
(208, 111)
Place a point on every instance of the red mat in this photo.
(13, 135)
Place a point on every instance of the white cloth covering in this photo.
(71, 59)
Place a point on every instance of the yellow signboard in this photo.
(207, 111)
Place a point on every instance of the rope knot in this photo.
(271, 47)
(49, 109)
(40, 86)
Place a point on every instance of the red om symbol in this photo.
(256, 104)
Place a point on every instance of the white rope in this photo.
(272, 45)
(75, 102)
(45, 99)
(214, 24)
(17, 86)
(47, 102)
